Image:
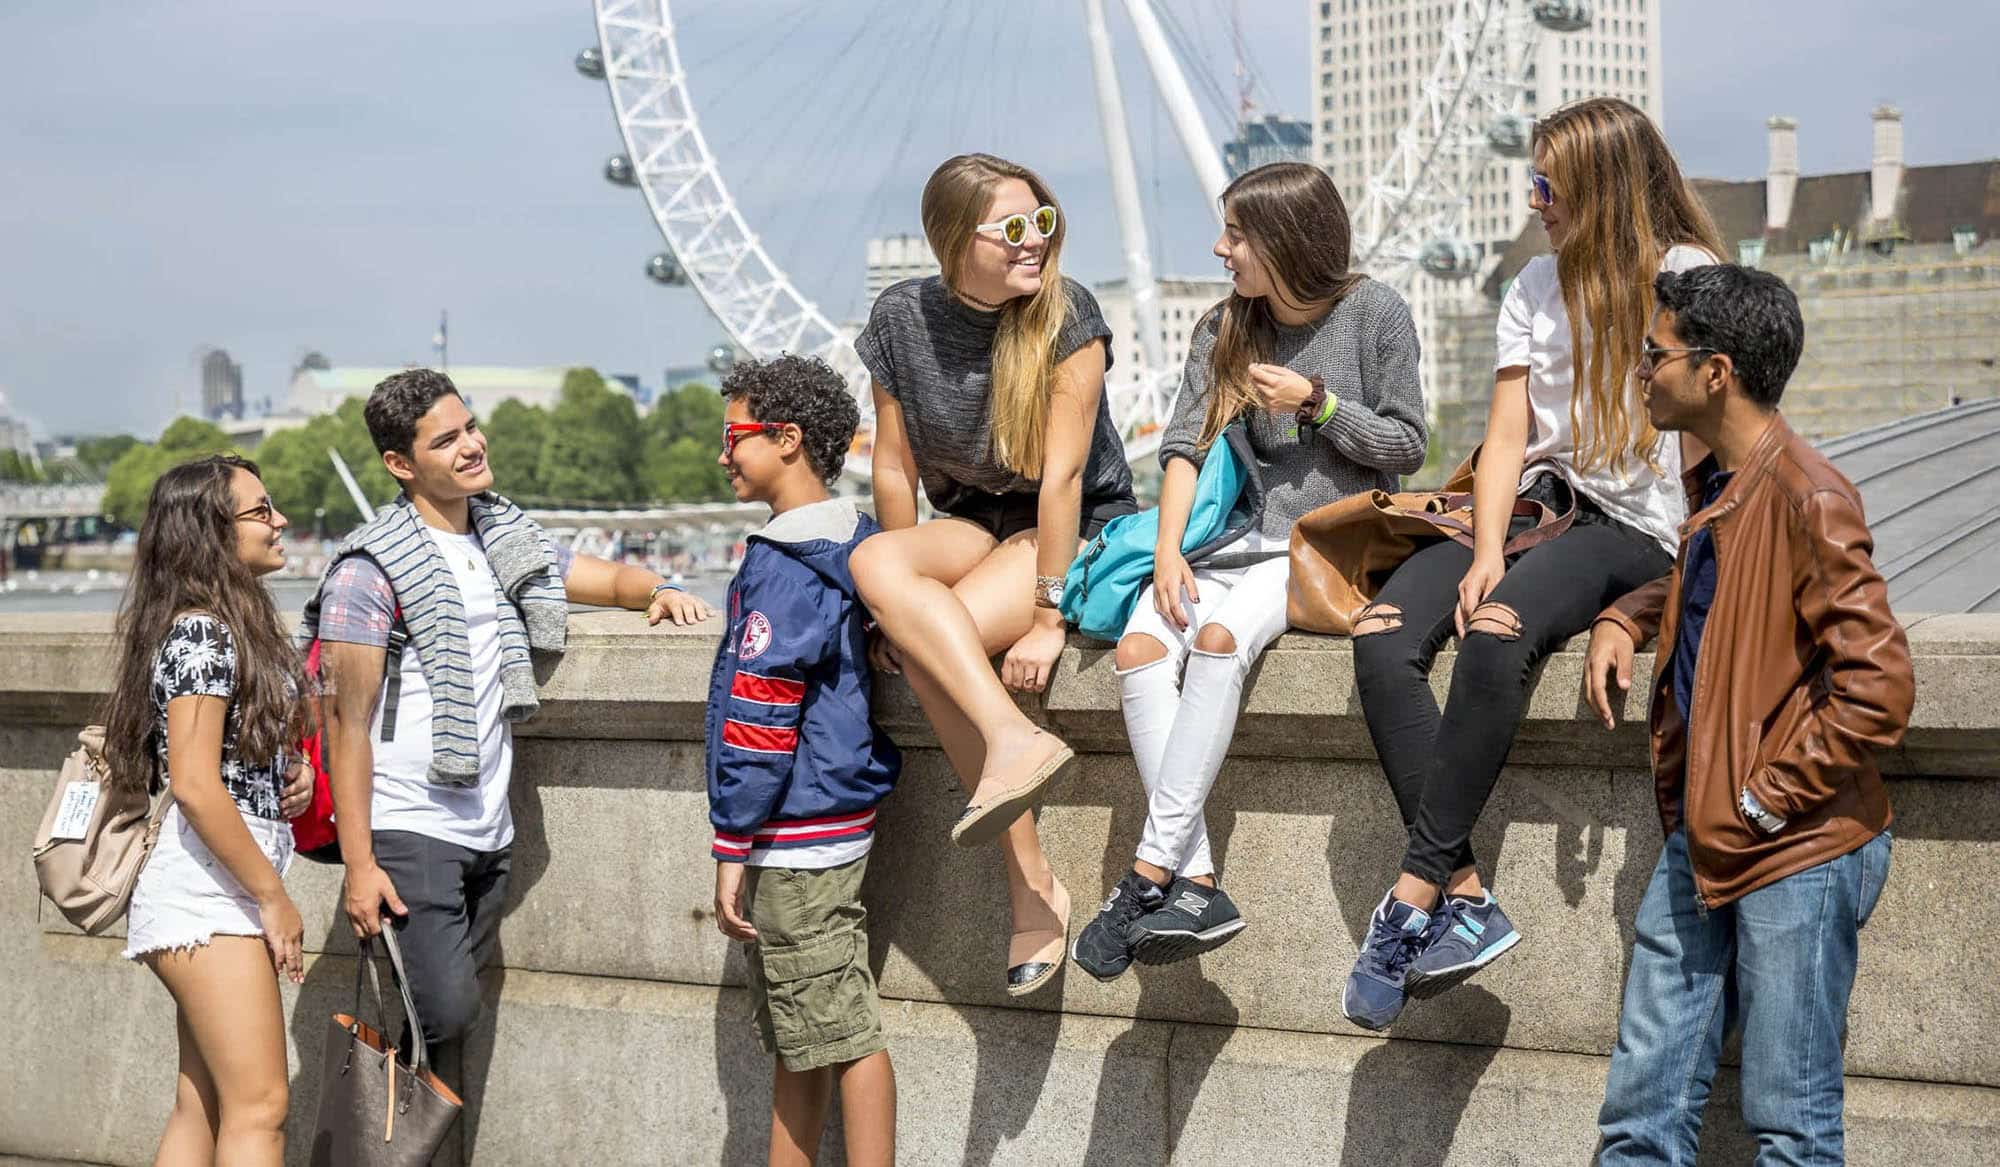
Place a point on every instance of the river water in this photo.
(79, 591)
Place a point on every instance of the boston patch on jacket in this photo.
(796, 764)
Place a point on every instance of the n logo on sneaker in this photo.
(1471, 929)
(1191, 903)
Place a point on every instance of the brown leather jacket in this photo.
(1803, 674)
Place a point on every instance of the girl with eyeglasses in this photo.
(207, 702)
(989, 391)
(1565, 429)
(1318, 364)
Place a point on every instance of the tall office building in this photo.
(1370, 60)
(894, 258)
(1265, 140)
(221, 386)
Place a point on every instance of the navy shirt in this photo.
(1697, 594)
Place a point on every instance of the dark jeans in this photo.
(454, 895)
(1780, 961)
(1442, 763)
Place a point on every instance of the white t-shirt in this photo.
(406, 799)
(1534, 331)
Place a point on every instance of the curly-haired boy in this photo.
(796, 765)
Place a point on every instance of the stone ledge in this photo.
(586, 1069)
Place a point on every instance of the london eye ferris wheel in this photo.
(1412, 217)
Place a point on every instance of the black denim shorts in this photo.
(1004, 516)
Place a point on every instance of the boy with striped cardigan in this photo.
(796, 764)
(432, 618)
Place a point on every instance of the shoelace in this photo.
(1390, 948)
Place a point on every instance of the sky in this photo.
(291, 176)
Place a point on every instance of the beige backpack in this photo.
(94, 838)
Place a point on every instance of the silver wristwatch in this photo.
(1762, 819)
(1048, 591)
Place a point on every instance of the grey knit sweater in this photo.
(1365, 352)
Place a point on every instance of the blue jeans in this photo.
(1781, 960)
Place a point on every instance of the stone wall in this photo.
(620, 1030)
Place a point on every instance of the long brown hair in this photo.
(957, 195)
(186, 561)
(1295, 220)
(1628, 206)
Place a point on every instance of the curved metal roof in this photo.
(1930, 485)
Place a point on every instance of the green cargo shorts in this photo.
(809, 977)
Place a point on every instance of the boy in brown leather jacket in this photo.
(1780, 670)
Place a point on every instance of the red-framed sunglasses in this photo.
(734, 432)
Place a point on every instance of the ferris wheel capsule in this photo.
(590, 63)
(664, 269)
(618, 171)
(1448, 259)
(721, 359)
(1508, 135)
(1562, 15)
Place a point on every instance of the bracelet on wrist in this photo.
(666, 585)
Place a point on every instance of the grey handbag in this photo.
(373, 1110)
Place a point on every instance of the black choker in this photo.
(978, 303)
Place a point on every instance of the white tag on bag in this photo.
(73, 819)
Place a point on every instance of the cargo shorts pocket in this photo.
(819, 991)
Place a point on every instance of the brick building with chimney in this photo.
(1894, 266)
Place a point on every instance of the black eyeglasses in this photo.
(263, 513)
(1650, 354)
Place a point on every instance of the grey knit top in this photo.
(1365, 352)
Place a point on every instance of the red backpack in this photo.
(313, 831)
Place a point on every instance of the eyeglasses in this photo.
(1014, 228)
(735, 432)
(1538, 183)
(263, 513)
(1650, 354)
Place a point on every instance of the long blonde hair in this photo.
(955, 199)
(1628, 205)
(1295, 220)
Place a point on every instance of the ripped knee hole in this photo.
(1495, 619)
(1377, 617)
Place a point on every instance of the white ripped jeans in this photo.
(1184, 706)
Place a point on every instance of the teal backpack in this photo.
(1112, 572)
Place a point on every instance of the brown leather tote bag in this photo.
(1345, 551)
(375, 1111)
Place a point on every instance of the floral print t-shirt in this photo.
(198, 658)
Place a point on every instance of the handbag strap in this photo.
(365, 967)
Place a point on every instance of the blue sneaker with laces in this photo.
(1471, 934)
(1375, 989)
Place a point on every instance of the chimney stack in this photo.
(1781, 175)
(1887, 176)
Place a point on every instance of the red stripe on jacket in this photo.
(763, 739)
(767, 690)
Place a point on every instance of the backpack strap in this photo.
(392, 682)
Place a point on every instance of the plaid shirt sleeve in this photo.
(357, 606)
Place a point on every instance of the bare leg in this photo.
(228, 991)
(189, 1140)
(798, 1114)
(868, 1110)
(907, 578)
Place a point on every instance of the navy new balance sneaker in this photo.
(1375, 989)
(1104, 947)
(1471, 934)
(1196, 919)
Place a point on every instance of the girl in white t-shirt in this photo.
(1566, 428)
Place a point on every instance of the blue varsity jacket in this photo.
(794, 757)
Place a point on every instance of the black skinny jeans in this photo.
(1443, 764)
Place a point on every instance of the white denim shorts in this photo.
(185, 896)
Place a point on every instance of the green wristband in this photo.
(1326, 410)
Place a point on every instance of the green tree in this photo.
(15, 468)
(300, 475)
(97, 454)
(593, 447)
(515, 435)
(129, 481)
(682, 436)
